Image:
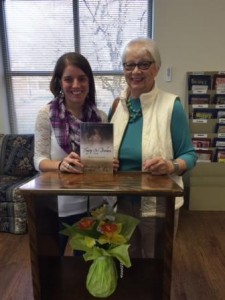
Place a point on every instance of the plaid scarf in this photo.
(67, 127)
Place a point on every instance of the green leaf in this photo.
(121, 253)
(77, 242)
(129, 225)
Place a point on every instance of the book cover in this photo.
(221, 114)
(199, 83)
(220, 155)
(219, 83)
(220, 128)
(219, 99)
(199, 99)
(204, 155)
(201, 113)
(96, 147)
(219, 142)
(201, 143)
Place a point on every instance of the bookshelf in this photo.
(206, 110)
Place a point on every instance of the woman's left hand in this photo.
(158, 166)
(116, 164)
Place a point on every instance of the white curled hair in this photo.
(147, 45)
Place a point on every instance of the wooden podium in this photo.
(64, 278)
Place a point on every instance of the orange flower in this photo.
(86, 223)
(109, 228)
(111, 234)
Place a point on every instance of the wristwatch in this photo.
(176, 167)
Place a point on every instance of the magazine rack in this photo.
(63, 278)
(206, 109)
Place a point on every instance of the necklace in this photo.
(134, 113)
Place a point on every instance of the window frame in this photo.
(9, 74)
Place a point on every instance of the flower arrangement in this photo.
(102, 237)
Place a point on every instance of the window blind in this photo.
(36, 33)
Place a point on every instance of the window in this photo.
(35, 33)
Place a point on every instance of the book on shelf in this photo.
(201, 142)
(204, 113)
(199, 83)
(221, 114)
(199, 99)
(219, 142)
(219, 155)
(96, 147)
(219, 83)
(219, 99)
(204, 155)
(220, 128)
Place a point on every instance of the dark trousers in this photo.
(70, 220)
(147, 239)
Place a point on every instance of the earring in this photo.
(61, 94)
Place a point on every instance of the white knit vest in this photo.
(157, 108)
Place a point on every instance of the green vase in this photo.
(102, 277)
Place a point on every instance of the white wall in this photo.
(190, 35)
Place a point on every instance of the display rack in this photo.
(206, 109)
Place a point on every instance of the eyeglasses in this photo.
(144, 65)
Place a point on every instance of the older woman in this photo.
(151, 134)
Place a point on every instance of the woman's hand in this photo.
(158, 166)
(116, 164)
(71, 164)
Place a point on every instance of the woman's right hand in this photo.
(71, 164)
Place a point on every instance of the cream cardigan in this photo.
(47, 147)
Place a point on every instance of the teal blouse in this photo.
(130, 153)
